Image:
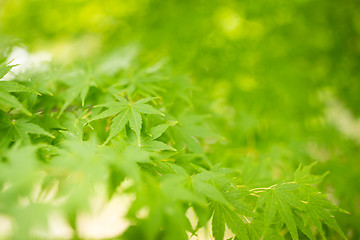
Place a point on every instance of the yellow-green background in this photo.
(273, 73)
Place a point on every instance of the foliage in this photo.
(160, 155)
(216, 107)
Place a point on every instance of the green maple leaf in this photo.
(218, 222)
(19, 129)
(203, 184)
(79, 85)
(287, 216)
(181, 192)
(305, 228)
(191, 128)
(4, 68)
(270, 208)
(125, 112)
(318, 210)
(234, 215)
(302, 175)
(223, 215)
(279, 199)
(13, 86)
(153, 145)
(8, 100)
(158, 130)
(235, 223)
(144, 82)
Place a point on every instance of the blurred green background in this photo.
(280, 78)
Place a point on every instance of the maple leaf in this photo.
(223, 215)
(218, 222)
(6, 87)
(19, 129)
(189, 129)
(318, 210)
(279, 199)
(79, 83)
(4, 67)
(125, 112)
(154, 146)
(233, 213)
(13, 86)
(151, 144)
(145, 82)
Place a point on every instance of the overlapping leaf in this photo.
(18, 130)
(8, 100)
(125, 112)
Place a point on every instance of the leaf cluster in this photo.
(60, 137)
